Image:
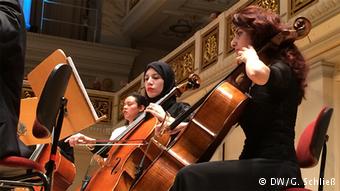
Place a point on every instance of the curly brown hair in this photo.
(262, 25)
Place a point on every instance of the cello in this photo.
(219, 111)
(64, 172)
(122, 167)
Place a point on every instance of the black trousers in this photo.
(238, 175)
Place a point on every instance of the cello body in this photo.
(64, 172)
(125, 164)
(198, 141)
(120, 168)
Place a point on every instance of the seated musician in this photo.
(134, 104)
(269, 119)
(159, 79)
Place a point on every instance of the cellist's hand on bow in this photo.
(79, 139)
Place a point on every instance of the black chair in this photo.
(49, 119)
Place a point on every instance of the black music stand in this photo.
(49, 119)
(50, 111)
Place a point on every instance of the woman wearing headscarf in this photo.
(159, 79)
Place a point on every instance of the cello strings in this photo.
(117, 141)
(112, 144)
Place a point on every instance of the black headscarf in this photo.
(168, 75)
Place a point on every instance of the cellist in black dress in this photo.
(279, 81)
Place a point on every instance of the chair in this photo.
(311, 142)
(49, 118)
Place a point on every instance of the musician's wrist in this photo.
(90, 143)
(168, 121)
(90, 147)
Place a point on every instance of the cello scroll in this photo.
(193, 82)
(301, 28)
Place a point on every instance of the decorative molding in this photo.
(103, 106)
(274, 5)
(183, 63)
(296, 6)
(320, 11)
(210, 48)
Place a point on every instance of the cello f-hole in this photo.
(113, 171)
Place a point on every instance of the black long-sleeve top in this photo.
(269, 119)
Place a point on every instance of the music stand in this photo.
(80, 111)
(50, 111)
